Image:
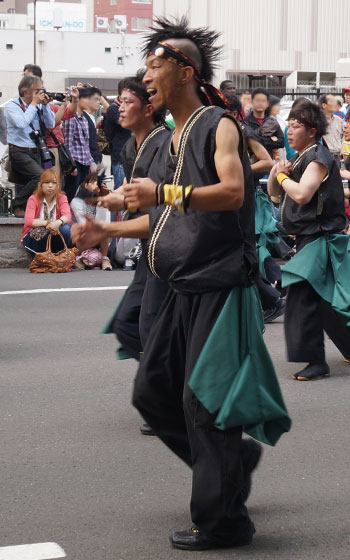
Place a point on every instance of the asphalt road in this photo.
(76, 471)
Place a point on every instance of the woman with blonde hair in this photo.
(47, 211)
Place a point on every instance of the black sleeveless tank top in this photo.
(325, 212)
(202, 251)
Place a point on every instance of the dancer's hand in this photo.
(114, 202)
(89, 234)
(140, 194)
(283, 167)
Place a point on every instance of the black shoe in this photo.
(251, 452)
(272, 314)
(312, 372)
(192, 539)
(146, 430)
(19, 212)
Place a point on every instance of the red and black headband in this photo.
(142, 95)
(302, 119)
(176, 56)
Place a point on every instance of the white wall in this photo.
(271, 35)
(62, 54)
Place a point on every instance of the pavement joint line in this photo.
(38, 551)
(50, 290)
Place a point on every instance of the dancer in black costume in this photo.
(319, 275)
(203, 244)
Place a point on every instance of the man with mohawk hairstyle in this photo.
(206, 372)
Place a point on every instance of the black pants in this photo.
(164, 399)
(306, 316)
(28, 167)
(272, 270)
(269, 296)
(72, 182)
(153, 296)
(126, 321)
(135, 316)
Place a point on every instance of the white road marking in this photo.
(39, 551)
(49, 290)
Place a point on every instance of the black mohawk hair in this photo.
(175, 28)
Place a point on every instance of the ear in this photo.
(148, 110)
(186, 73)
(312, 132)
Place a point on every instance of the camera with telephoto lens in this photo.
(45, 154)
(54, 95)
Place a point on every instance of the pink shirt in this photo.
(50, 143)
(33, 211)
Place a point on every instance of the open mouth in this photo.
(152, 93)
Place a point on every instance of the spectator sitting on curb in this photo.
(47, 212)
(83, 206)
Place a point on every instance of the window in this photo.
(108, 50)
(140, 23)
(9, 46)
(3, 23)
(142, 1)
(113, 2)
(120, 60)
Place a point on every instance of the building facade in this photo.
(265, 42)
(131, 16)
(65, 58)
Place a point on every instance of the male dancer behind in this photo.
(313, 211)
(136, 114)
(202, 242)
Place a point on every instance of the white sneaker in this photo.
(106, 264)
(79, 265)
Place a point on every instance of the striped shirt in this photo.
(76, 138)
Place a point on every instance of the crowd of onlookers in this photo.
(56, 145)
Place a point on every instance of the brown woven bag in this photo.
(48, 261)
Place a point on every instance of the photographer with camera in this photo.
(26, 117)
(63, 112)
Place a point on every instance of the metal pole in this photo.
(34, 31)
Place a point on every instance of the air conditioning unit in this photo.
(120, 22)
(101, 22)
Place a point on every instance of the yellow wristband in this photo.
(175, 195)
(281, 177)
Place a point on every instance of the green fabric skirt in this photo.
(325, 264)
(234, 375)
(265, 227)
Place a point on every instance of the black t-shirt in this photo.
(94, 151)
(115, 134)
(325, 211)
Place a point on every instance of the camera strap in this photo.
(53, 136)
(41, 123)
